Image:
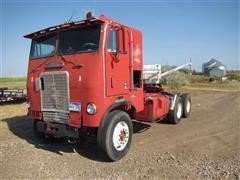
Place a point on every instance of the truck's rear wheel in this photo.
(175, 115)
(187, 104)
(115, 135)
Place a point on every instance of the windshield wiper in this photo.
(75, 65)
(61, 54)
(36, 68)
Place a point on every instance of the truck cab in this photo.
(88, 74)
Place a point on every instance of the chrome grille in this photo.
(55, 96)
(55, 116)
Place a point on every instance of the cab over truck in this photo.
(87, 77)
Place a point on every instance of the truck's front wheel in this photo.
(115, 135)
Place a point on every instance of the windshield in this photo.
(43, 46)
(84, 39)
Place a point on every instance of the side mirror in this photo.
(114, 56)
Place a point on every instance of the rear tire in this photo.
(114, 136)
(175, 115)
(187, 104)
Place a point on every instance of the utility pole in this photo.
(190, 66)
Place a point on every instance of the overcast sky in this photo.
(173, 31)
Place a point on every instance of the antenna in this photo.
(71, 17)
(94, 6)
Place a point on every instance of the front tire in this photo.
(115, 135)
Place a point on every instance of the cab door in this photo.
(117, 65)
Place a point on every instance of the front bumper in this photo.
(57, 130)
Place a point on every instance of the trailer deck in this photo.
(12, 95)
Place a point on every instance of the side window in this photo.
(112, 41)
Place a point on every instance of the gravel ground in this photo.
(204, 146)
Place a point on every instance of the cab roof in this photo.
(68, 25)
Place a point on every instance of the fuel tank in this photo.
(156, 107)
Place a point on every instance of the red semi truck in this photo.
(87, 76)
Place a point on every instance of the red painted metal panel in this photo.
(90, 82)
(117, 70)
(156, 107)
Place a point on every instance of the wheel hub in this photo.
(123, 135)
(120, 135)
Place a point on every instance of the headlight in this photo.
(91, 108)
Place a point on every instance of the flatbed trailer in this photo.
(12, 95)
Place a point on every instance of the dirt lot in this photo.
(204, 146)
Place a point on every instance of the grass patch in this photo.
(13, 82)
(216, 86)
(233, 75)
(201, 82)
